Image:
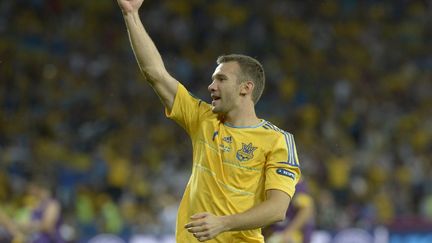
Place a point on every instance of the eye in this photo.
(223, 78)
(219, 78)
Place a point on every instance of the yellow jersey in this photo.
(232, 166)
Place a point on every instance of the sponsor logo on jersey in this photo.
(285, 173)
(246, 152)
(224, 148)
(227, 139)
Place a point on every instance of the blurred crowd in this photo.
(351, 79)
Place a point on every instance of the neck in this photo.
(242, 117)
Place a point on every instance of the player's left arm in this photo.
(206, 226)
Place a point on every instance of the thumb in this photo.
(199, 215)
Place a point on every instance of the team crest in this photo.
(246, 152)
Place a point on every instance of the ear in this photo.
(246, 88)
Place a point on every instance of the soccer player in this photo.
(244, 168)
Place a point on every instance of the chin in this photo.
(216, 110)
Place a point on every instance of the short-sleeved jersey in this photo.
(232, 166)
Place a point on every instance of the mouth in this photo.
(214, 100)
(215, 97)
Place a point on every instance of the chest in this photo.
(245, 149)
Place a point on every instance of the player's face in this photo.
(224, 89)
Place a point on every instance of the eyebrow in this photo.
(219, 75)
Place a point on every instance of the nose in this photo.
(212, 87)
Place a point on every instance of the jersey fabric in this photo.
(232, 166)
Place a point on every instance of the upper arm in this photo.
(188, 111)
(163, 84)
(280, 200)
(282, 169)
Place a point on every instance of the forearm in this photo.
(148, 57)
(205, 226)
(146, 53)
(259, 216)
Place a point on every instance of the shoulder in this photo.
(274, 130)
(281, 138)
(185, 96)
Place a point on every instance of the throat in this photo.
(242, 122)
(242, 115)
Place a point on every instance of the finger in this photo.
(199, 215)
(204, 234)
(194, 224)
(197, 229)
(204, 238)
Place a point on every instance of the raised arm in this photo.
(148, 57)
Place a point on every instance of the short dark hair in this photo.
(250, 69)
